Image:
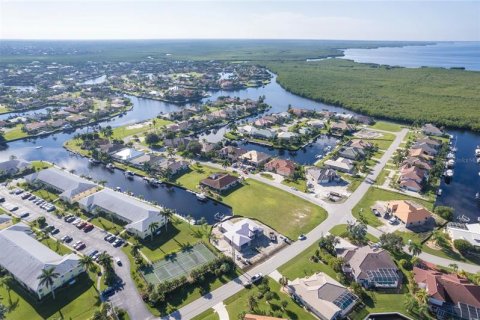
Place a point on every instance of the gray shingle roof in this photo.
(68, 183)
(139, 214)
(25, 257)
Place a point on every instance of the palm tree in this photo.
(4, 281)
(167, 214)
(252, 303)
(283, 281)
(152, 228)
(414, 248)
(86, 262)
(105, 260)
(3, 311)
(454, 266)
(47, 277)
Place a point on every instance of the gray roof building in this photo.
(138, 214)
(69, 185)
(14, 166)
(24, 257)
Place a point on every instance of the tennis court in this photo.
(179, 264)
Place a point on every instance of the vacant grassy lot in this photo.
(382, 142)
(238, 303)
(15, 133)
(386, 126)
(138, 129)
(77, 302)
(286, 213)
(375, 194)
(207, 315)
(403, 94)
(301, 266)
(300, 184)
(341, 231)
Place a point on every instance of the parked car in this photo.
(91, 254)
(81, 225)
(112, 239)
(18, 191)
(302, 237)
(118, 261)
(32, 197)
(79, 245)
(24, 215)
(393, 221)
(2, 199)
(107, 237)
(88, 227)
(256, 277)
(55, 231)
(119, 242)
(25, 196)
(66, 239)
(108, 292)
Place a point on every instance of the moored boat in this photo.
(201, 197)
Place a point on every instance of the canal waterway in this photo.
(459, 193)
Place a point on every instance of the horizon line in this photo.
(222, 39)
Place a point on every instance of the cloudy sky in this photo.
(268, 19)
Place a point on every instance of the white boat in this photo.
(118, 189)
(201, 197)
(129, 174)
(93, 161)
(439, 192)
(450, 163)
(451, 156)
(477, 196)
(477, 151)
(110, 166)
(319, 156)
(38, 147)
(464, 219)
(449, 173)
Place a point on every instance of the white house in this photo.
(127, 154)
(24, 257)
(461, 231)
(340, 164)
(240, 234)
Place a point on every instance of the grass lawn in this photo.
(301, 266)
(129, 130)
(386, 126)
(46, 195)
(300, 184)
(207, 315)
(178, 235)
(375, 194)
(286, 213)
(107, 225)
(75, 146)
(381, 302)
(354, 181)
(266, 176)
(15, 133)
(4, 109)
(237, 303)
(340, 230)
(382, 142)
(78, 301)
(39, 165)
(58, 247)
(190, 180)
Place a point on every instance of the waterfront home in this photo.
(412, 178)
(263, 122)
(371, 267)
(462, 231)
(426, 148)
(250, 316)
(323, 296)
(127, 154)
(319, 124)
(409, 212)
(300, 112)
(255, 158)
(220, 182)
(282, 167)
(176, 142)
(340, 128)
(449, 295)
(416, 162)
(71, 187)
(14, 166)
(231, 153)
(285, 135)
(360, 144)
(109, 147)
(340, 164)
(171, 166)
(433, 143)
(76, 118)
(35, 127)
(256, 132)
(351, 153)
(240, 234)
(24, 257)
(321, 175)
(431, 130)
(138, 215)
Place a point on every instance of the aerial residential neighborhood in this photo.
(250, 160)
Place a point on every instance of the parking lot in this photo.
(93, 240)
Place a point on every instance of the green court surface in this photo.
(178, 264)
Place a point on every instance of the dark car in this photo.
(108, 292)
(55, 231)
(88, 227)
(24, 215)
